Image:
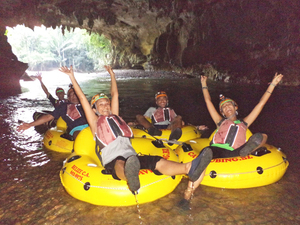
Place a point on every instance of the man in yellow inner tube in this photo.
(71, 112)
(60, 93)
(162, 117)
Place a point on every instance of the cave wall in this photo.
(10, 68)
(247, 39)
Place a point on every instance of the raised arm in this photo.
(257, 109)
(39, 77)
(211, 109)
(113, 91)
(89, 113)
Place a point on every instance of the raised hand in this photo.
(39, 76)
(277, 78)
(67, 71)
(109, 69)
(203, 79)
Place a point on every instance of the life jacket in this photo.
(230, 132)
(58, 102)
(163, 114)
(72, 112)
(110, 127)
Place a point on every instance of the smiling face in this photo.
(229, 110)
(162, 101)
(72, 97)
(60, 95)
(103, 106)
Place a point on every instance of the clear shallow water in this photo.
(31, 192)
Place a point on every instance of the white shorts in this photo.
(119, 147)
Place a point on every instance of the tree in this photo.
(46, 48)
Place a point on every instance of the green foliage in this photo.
(99, 49)
(47, 48)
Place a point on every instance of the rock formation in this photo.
(244, 39)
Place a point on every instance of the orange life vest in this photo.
(110, 127)
(232, 133)
(163, 114)
(72, 112)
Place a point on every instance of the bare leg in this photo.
(119, 168)
(149, 126)
(192, 187)
(143, 121)
(176, 123)
(171, 168)
(193, 169)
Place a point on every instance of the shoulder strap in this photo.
(221, 121)
(98, 149)
(244, 122)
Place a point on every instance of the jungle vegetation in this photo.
(47, 48)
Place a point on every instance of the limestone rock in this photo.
(242, 38)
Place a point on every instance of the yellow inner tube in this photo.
(53, 140)
(83, 175)
(265, 166)
(188, 132)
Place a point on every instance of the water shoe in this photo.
(132, 169)
(184, 204)
(200, 163)
(253, 142)
(175, 135)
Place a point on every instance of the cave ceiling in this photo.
(253, 38)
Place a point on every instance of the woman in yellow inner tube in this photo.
(230, 138)
(112, 138)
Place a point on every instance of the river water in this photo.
(31, 191)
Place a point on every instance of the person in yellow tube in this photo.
(60, 93)
(162, 117)
(230, 138)
(71, 112)
(112, 136)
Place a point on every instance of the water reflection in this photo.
(31, 192)
(27, 145)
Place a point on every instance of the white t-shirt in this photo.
(149, 113)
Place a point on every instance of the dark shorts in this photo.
(256, 139)
(147, 162)
(219, 153)
(161, 126)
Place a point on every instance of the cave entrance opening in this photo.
(46, 49)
